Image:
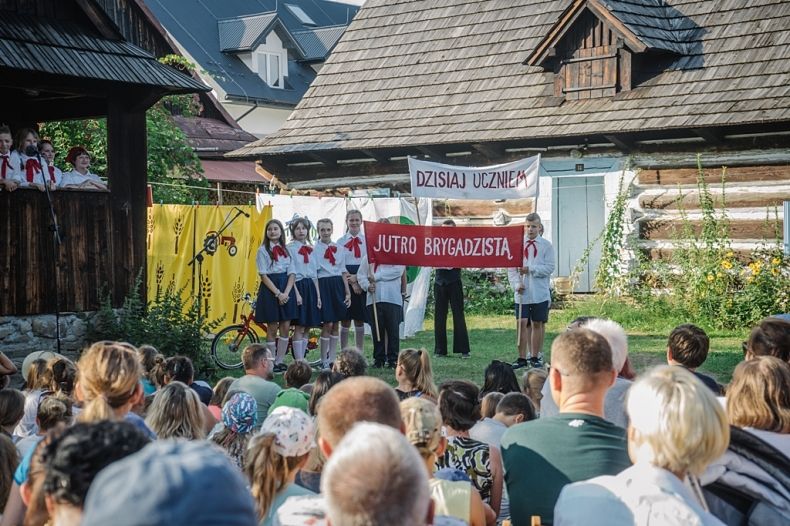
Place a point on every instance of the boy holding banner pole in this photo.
(532, 295)
(385, 308)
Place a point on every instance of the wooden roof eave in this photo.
(546, 47)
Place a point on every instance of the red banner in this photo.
(444, 246)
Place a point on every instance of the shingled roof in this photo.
(444, 72)
(38, 44)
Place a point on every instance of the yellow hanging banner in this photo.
(176, 233)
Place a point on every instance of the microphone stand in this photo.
(199, 257)
(57, 241)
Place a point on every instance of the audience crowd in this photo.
(125, 436)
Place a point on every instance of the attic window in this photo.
(299, 13)
(595, 48)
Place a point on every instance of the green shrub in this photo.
(172, 324)
(486, 292)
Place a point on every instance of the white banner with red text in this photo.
(516, 180)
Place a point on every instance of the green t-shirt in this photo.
(263, 391)
(544, 455)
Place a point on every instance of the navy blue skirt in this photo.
(357, 309)
(268, 309)
(333, 294)
(308, 314)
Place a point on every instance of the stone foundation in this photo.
(20, 335)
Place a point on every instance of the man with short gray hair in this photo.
(375, 476)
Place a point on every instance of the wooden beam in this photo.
(100, 20)
(380, 157)
(711, 135)
(490, 150)
(566, 19)
(622, 142)
(326, 159)
(433, 153)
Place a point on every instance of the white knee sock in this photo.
(272, 346)
(324, 352)
(282, 346)
(333, 341)
(343, 337)
(299, 347)
(359, 338)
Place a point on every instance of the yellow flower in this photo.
(727, 264)
(729, 254)
(719, 275)
(775, 271)
(710, 277)
(776, 261)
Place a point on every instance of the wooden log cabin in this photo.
(65, 59)
(600, 88)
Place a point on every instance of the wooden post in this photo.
(127, 172)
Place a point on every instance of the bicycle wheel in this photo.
(228, 344)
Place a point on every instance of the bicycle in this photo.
(227, 345)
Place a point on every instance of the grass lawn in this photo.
(494, 337)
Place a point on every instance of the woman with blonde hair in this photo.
(414, 375)
(758, 400)
(275, 456)
(37, 386)
(677, 427)
(108, 384)
(176, 412)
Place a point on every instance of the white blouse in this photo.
(303, 269)
(269, 265)
(325, 254)
(353, 250)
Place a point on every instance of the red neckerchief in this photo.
(31, 167)
(329, 254)
(531, 243)
(353, 244)
(278, 252)
(305, 251)
(51, 173)
(4, 165)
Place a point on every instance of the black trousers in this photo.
(451, 294)
(390, 316)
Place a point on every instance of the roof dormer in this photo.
(596, 47)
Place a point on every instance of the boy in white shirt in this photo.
(532, 296)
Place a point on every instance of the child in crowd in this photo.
(238, 418)
(688, 347)
(532, 296)
(9, 161)
(32, 172)
(12, 409)
(109, 384)
(149, 358)
(38, 381)
(423, 428)
(53, 411)
(353, 245)
(275, 456)
(308, 296)
(489, 403)
(276, 304)
(385, 308)
(177, 412)
(534, 380)
(81, 177)
(414, 375)
(335, 291)
(219, 397)
(47, 151)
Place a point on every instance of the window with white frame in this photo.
(270, 69)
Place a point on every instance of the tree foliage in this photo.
(171, 161)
